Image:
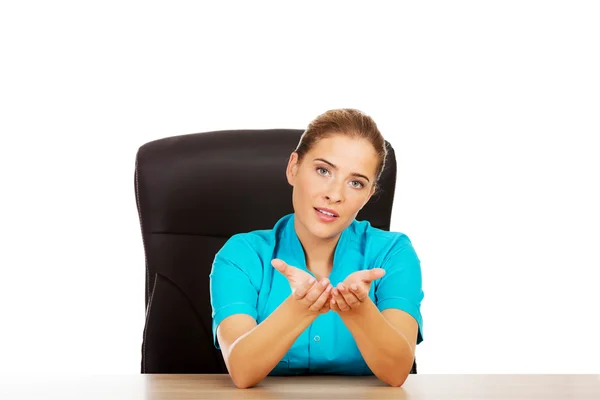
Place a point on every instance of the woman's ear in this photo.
(292, 168)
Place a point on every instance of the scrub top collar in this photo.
(292, 242)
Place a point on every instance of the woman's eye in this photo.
(319, 169)
(359, 184)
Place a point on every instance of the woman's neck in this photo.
(318, 252)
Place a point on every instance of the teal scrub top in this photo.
(243, 281)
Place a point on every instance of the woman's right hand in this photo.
(313, 296)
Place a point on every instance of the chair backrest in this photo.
(193, 193)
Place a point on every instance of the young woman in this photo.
(321, 293)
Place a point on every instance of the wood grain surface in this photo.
(180, 387)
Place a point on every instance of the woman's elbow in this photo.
(243, 379)
(242, 384)
(394, 379)
(396, 382)
(242, 376)
(396, 372)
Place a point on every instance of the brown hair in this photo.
(344, 121)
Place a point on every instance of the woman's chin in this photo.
(324, 232)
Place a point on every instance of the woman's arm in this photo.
(386, 340)
(388, 331)
(251, 351)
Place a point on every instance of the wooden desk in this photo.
(181, 387)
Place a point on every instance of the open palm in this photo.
(351, 293)
(294, 275)
(363, 279)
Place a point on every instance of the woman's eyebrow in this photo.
(335, 167)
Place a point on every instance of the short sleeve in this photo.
(401, 286)
(234, 282)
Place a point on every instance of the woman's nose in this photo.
(334, 193)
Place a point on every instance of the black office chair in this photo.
(193, 193)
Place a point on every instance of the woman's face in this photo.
(337, 176)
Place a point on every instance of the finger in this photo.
(369, 275)
(326, 307)
(322, 300)
(280, 266)
(333, 305)
(315, 292)
(339, 300)
(304, 287)
(359, 291)
(349, 297)
(375, 274)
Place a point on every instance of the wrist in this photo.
(358, 313)
(350, 315)
(299, 310)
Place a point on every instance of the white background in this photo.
(493, 109)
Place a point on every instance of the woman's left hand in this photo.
(350, 294)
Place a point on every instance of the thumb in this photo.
(373, 274)
(280, 266)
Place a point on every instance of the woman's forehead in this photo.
(357, 155)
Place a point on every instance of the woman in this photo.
(321, 293)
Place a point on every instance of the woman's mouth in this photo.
(326, 216)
